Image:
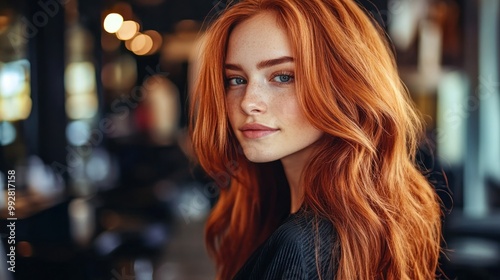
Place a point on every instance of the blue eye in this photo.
(283, 78)
(236, 81)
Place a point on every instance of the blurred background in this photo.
(93, 122)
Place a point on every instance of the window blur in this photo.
(93, 116)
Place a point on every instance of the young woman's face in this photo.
(260, 93)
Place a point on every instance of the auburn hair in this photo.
(363, 176)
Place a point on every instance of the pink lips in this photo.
(255, 130)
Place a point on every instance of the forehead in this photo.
(257, 38)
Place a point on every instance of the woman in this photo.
(300, 103)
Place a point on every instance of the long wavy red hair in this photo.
(362, 177)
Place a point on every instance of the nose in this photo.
(253, 101)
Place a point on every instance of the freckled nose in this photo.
(253, 101)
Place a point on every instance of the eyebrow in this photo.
(263, 64)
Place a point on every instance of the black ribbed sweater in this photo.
(290, 252)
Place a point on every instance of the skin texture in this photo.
(259, 93)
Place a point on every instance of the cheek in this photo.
(232, 109)
(289, 110)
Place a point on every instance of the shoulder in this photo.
(303, 244)
(302, 231)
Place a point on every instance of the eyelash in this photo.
(288, 74)
(279, 74)
(229, 79)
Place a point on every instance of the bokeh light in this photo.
(15, 108)
(12, 77)
(113, 22)
(82, 106)
(128, 30)
(8, 133)
(78, 133)
(142, 44)
(98, 166)
(157, 41)
(80, 78)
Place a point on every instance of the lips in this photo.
(255, 130)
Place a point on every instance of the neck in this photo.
(294, 166)
(293, 174)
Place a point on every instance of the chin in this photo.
(259, 158)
